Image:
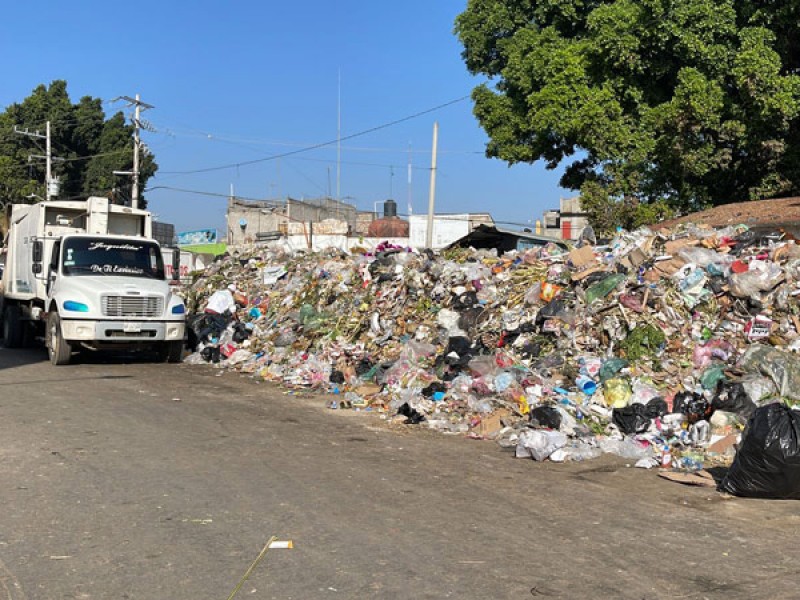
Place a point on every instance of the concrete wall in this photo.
(245, 220)
(256, 220)
(567, 222)
(446, 228)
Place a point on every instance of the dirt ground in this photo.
(124, 479)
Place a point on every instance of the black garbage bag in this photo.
(732, 397)
(767, 464)
(240, 332)
(530, 349)
(336, 376)
(550, 310)
(631, 419)
(743, 241)
(465, 300)
(412, 416)
(210, 354)
(435, 386)
(208, 325)
(459, 344)
(547, 417)
(694, 406)
(458, 353)
(364, 366)
(656, 407)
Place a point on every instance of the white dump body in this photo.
(49, 221)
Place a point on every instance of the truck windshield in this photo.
(110, 257)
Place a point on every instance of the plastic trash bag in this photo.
(546, 416)
(617, 392)
(412, 416)
(694, 406)
(762, 276)
(611, 367)
(603, 288)
(631, 419)
(656, 407)
(576, 451)
(733, 397)
(627, 448)
(538, 444)
(767, 464)
(782, 367)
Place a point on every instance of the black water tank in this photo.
(389, 209)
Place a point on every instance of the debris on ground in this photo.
(658, 346)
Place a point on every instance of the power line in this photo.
(360, 164)
(320, 145)
(250, 143)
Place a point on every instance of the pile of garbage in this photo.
(658, 346)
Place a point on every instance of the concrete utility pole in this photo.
(137, 124)
(432, 195)
(51, 184)
(339, 140)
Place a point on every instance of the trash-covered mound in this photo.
(656, 347)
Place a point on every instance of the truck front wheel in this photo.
(12, 326)
(59, 349)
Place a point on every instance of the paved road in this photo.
(136, 480)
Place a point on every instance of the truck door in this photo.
(52, 268)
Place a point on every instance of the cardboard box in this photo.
(494, 422)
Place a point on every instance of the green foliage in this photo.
(653, 106)
(642, 341)
(91, 145)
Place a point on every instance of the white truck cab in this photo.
(88, 274)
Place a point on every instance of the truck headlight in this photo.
(179, 309)
(76, 306)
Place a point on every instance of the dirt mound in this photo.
(781, 213)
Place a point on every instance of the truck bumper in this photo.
(122, 331)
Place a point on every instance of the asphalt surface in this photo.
(125, 479)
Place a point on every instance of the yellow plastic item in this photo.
(617, 392)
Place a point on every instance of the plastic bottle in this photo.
(666, 458)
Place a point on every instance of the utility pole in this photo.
(137, 124)
(432, 195)
(339, 140)
(51, 184)
(410, 198)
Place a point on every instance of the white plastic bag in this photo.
(539, 444)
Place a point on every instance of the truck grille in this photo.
(133, 306)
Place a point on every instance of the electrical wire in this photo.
(320, 145)
(250, 143)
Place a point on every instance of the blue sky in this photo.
(240, 81)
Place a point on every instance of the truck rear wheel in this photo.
(58, 348)
(12, 326)
(171, 352)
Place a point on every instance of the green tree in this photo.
(91, 146)
(650, 105)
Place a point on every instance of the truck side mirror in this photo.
(37, 257)
(176, 264)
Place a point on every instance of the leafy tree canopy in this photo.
(91, 146)
(652, 105)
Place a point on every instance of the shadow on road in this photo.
(19, 357)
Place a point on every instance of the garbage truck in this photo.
(87, 274)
